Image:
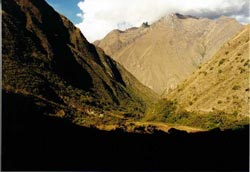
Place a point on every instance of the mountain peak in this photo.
(156, 55)
(182, 16)
(226, 18)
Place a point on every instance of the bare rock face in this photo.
(222, 83)
(170, 50)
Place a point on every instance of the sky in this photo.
(68, 8)
(96, 18)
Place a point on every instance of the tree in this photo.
(145, 24)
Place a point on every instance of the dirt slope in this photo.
(222, 83)
(165, 53)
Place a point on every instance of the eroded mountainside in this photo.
(216, 95)
(46, 58)
(165, 53)
(222, 83)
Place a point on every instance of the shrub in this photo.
(219, 102)
(236, 87)
(221, 62)
(235, 113)
(164, 109)
(145, 24)
(242, 70)
(181, 117)
(246, 63)
(169, 108)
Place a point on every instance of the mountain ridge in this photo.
(222, 83)
(56, 64)
(168, 51)
(214, 96)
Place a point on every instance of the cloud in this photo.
(99, 17)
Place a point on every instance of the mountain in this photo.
(216, 95)
(222, 83)
(53, 78)
(47, 59)
(165, 53)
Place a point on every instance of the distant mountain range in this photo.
(167, 52)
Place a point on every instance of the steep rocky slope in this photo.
(117, 39)
(222, 83)
(216, 95)
(165, 53)
(45, 57)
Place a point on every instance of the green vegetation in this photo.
(221, 62)
(235, 113)
(203, 72)
(145, 24)
(242, 70)
(68, 72)
(219, 71)
(219, 102)
(236, 87)
(169, 112)
(246, 63)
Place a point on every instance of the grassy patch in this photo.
(169, 112)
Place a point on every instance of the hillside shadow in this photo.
(32, 141)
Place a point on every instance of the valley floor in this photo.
(32, 141)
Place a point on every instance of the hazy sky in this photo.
(96, 18)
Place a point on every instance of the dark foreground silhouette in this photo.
(32, 141)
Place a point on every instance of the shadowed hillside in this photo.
(46, 57)
(32, 141)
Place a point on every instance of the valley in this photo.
(163, 96)
(70, 78)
